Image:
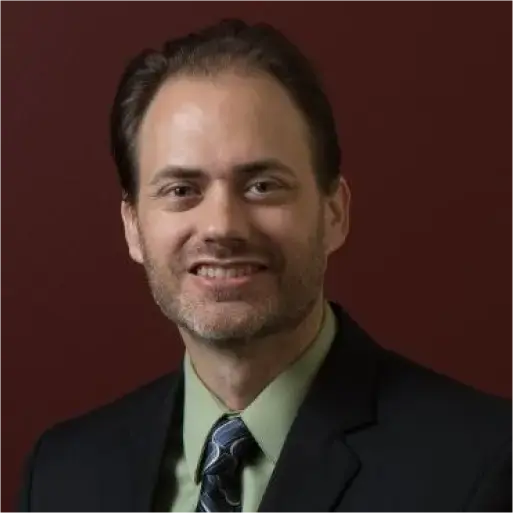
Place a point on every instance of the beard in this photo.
(234, 317)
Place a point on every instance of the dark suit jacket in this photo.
(376, 432)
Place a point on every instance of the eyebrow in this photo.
(248, 169)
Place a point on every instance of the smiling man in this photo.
(231, 226)
(233, 201)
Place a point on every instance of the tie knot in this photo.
(229, 443)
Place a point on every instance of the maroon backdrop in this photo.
(422, 95)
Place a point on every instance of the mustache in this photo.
(235, 248)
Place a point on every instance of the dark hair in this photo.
(229, 44)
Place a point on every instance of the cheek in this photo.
(289, 228)
(162, 237)
(277, 223)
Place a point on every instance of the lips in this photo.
(217, 272)
(226, 269)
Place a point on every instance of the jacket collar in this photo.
(316, 464)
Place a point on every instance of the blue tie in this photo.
(230, 444)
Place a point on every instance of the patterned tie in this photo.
(230, 445)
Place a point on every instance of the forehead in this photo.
(216, 123)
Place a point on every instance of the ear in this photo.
(132, 236)
(336, 216)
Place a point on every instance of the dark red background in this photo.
(422, 95)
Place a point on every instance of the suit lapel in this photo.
(143, 460)
(316, 465)
(132, 449)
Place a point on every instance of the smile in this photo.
(222, 273)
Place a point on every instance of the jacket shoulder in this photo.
(121, 412)
(68, 454)
(434, 397)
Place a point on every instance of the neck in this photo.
(238, 377)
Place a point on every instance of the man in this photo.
(232, 201)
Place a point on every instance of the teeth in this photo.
(224, 272)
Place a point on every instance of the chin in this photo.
(226, 335)
(225, 322)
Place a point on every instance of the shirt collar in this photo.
(269, 417)
(201, 411)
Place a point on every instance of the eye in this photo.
(179, 191)
(264, 187)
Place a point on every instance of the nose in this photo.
(223, 216)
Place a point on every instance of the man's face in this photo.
(229, 223)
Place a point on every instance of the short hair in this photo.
(229, 44)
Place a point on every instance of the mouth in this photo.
(240, 271)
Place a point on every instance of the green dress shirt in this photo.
(268, 418)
